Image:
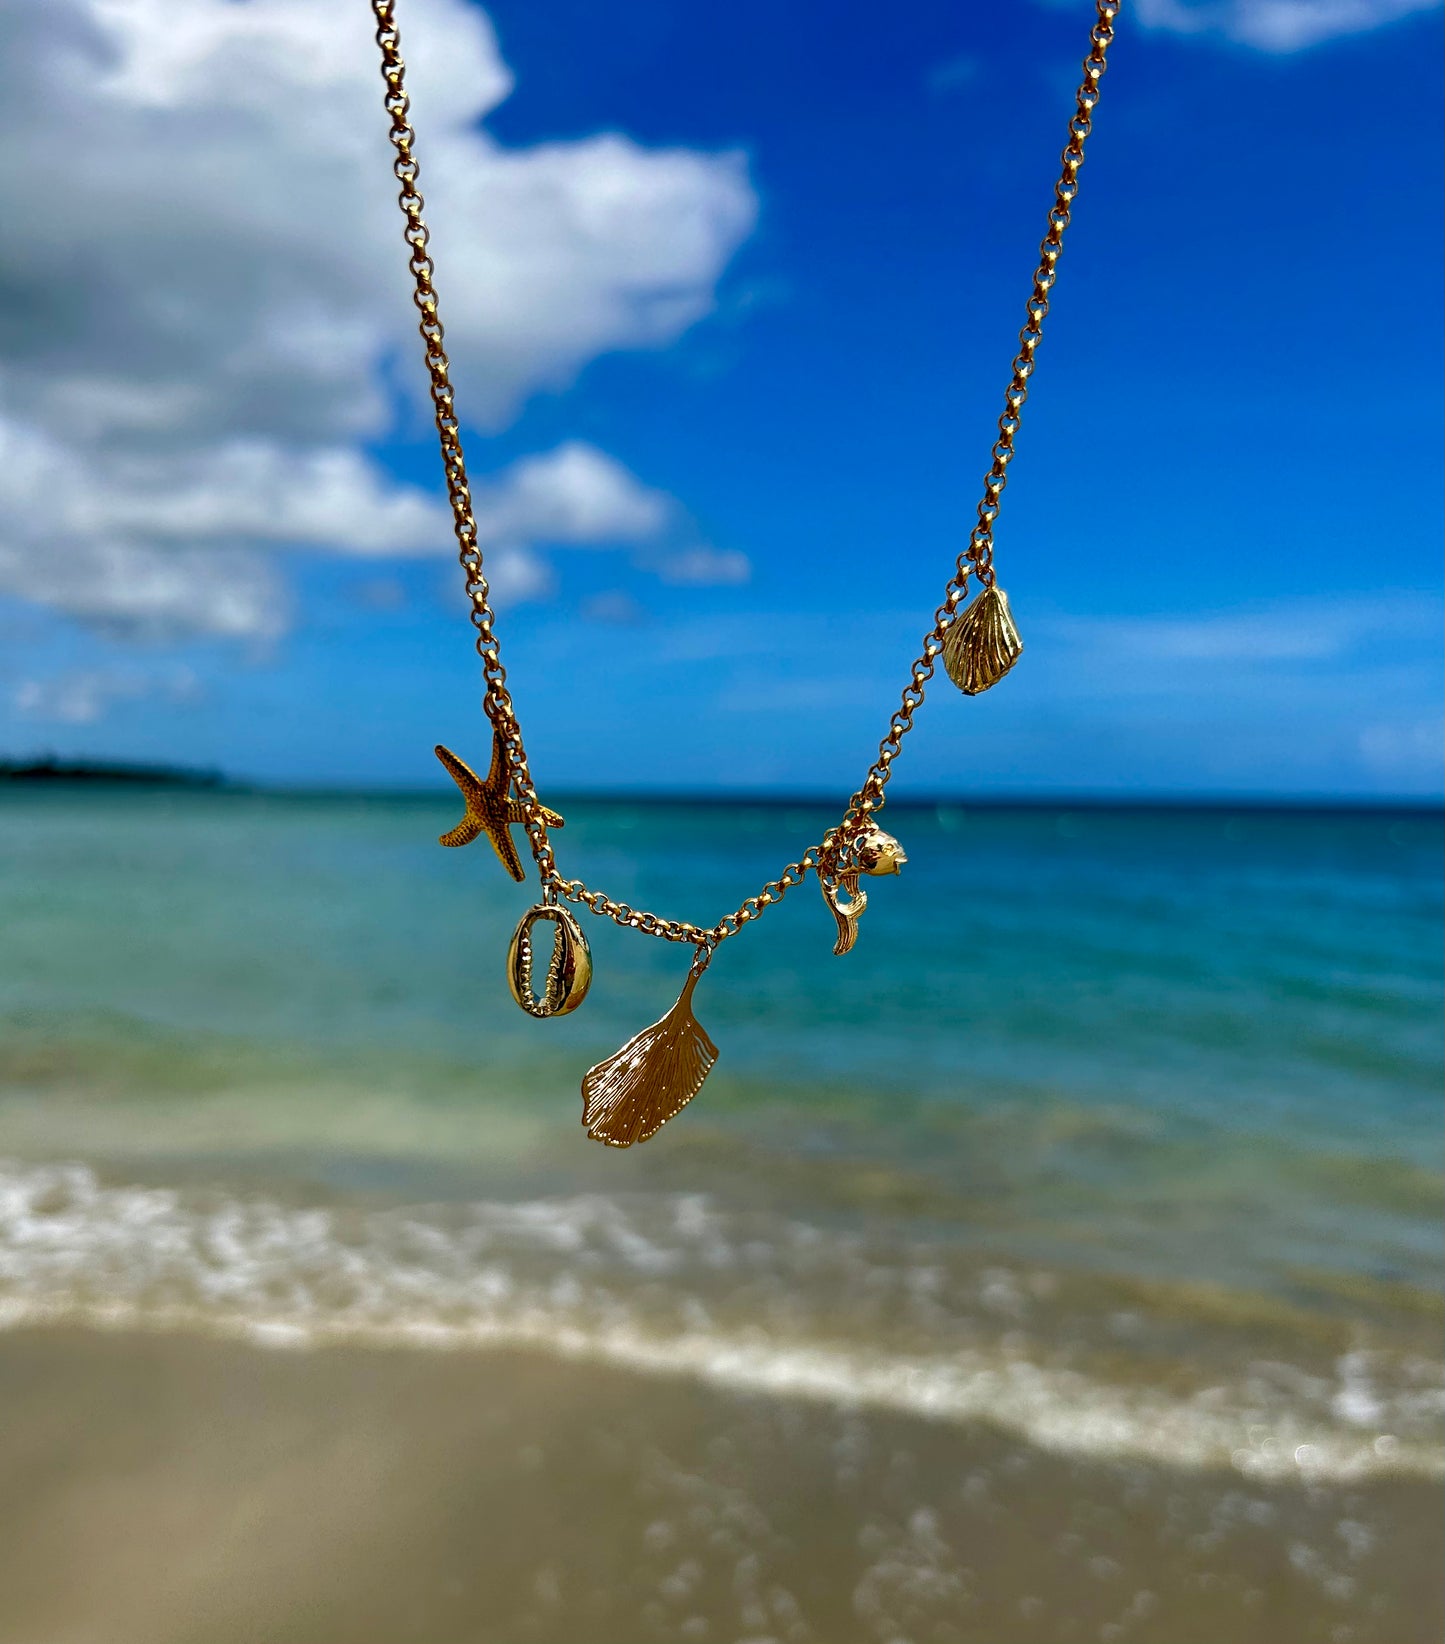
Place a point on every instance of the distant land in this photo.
(124, 773)
(108, 771)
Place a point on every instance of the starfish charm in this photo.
(490, 808)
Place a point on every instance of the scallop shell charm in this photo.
(983, 644)
(569, 971)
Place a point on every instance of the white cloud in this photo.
(615, 608)
(157, 542)
(1406, 750)
(1234, 638)
(84, 695)
(704, 567)
(206, 298)
(145, 593)
(1306, 630)
(515, 575)
(574, 494)
(1277, 26)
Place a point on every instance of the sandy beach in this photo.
(163, 1490)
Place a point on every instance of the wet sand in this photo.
(161, 1489)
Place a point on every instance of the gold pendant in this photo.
(876, 853)
(879, 853)
(569, 971)
(631, 1095)
(848, 912)
(490, 808)
(983, 644)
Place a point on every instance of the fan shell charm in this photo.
(633, 1094)
(569, 971)
(983, 644)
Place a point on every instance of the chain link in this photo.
(833, 851)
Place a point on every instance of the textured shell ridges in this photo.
(631, 1095)
(983, 644)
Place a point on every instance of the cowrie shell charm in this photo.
(569, 971)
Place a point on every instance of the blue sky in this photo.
(734, 381)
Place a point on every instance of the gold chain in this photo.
(975, 560)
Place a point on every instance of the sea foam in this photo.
(671, 1285)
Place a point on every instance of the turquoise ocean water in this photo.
(1119, 1129)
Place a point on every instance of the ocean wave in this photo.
(672, 1285)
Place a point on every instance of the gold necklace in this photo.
(631, 1095)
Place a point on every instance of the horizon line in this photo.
(779, 799)
(155, 780)
(48, 770)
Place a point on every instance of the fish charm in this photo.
(569, 971)
(631, 1095)
(879, 853)
(847, 904)
(876, 853)
(490, 807)
(983, 644)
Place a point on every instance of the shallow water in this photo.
(1116, 1135)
